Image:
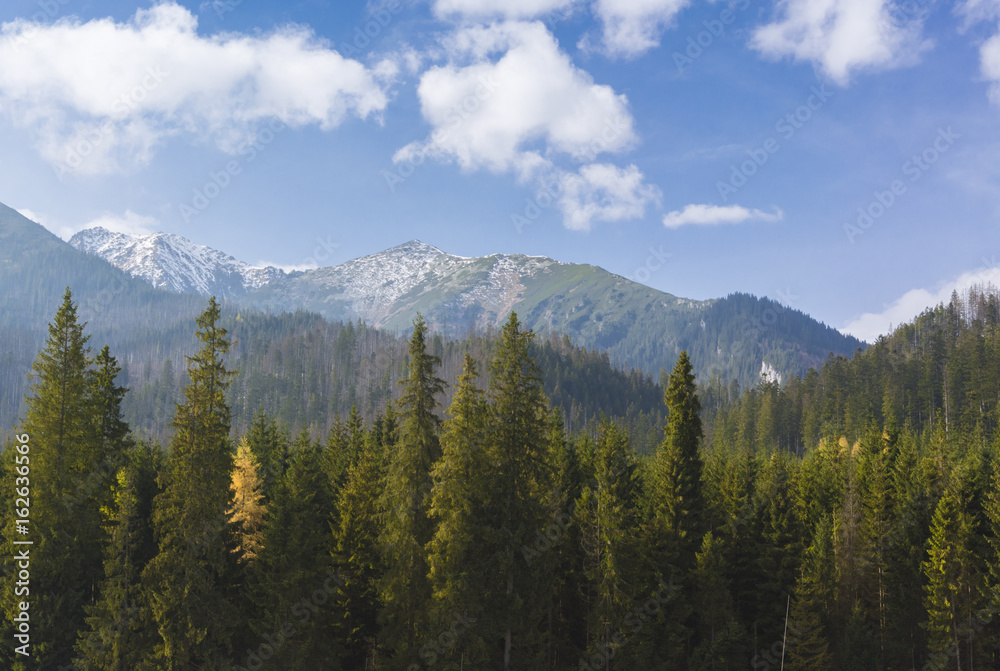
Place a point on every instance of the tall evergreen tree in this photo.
(407, 527)
(515, 494)
(120, 627)
(67, 478)
(458, 564)
(677, 468)
(187, 578)
(952, 594)
(357, 557)
(608, 513)
(294, 588)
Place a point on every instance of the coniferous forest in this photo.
(846, 519)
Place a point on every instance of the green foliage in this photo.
(186, 579)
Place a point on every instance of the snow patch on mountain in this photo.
(174, 263)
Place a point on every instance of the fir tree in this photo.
(186, 579)
(608, 512)
(515, 493)
(678, 465)
(67, 480)
(294, 587)
(120, 628)
(407, 528)
(357, 557)
(458, 567)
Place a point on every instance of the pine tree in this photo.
(678, 465)
(673, 525)
(953, 582)
(458, 566)
(186, 579)
(357, 557)
(718, 631)
(516, 450)
(66, 479)
(269, 446)
(120, 628)
(809, 649)
(246, 512)
(407, 528)
(294, 587)
(608, 513)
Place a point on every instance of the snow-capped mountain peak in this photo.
(174, 263)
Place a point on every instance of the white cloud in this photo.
(709, 215)
(904, 309)
(510, 101)
(486, 113)
(506, 9)
(129, 223)
(843, 36)
(603, 192)
(631, 27)
(103, 95)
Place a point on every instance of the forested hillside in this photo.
(846, 520)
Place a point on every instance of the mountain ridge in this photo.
(172, 262)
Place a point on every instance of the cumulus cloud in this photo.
(843, 36)
(709, 215)
(510, 101)
(487, 112)
(631, 28)
(506, 9)
(871, 325)
(603, 192)
(100, 96)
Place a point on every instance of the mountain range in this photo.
(141, 293)
(737, 337)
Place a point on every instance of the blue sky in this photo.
(837, 155)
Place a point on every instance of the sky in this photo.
(839, 156)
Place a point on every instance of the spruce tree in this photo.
(677, 467)
(120, 627)
(67, 480)
(517, 451)
(407, 527)
(269, 445)
(357, 557)
(811, 604)
(457, 561)
(608, 514)
(187, 578)
(953, 582)
(294, 588)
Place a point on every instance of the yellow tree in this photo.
(246, 512)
